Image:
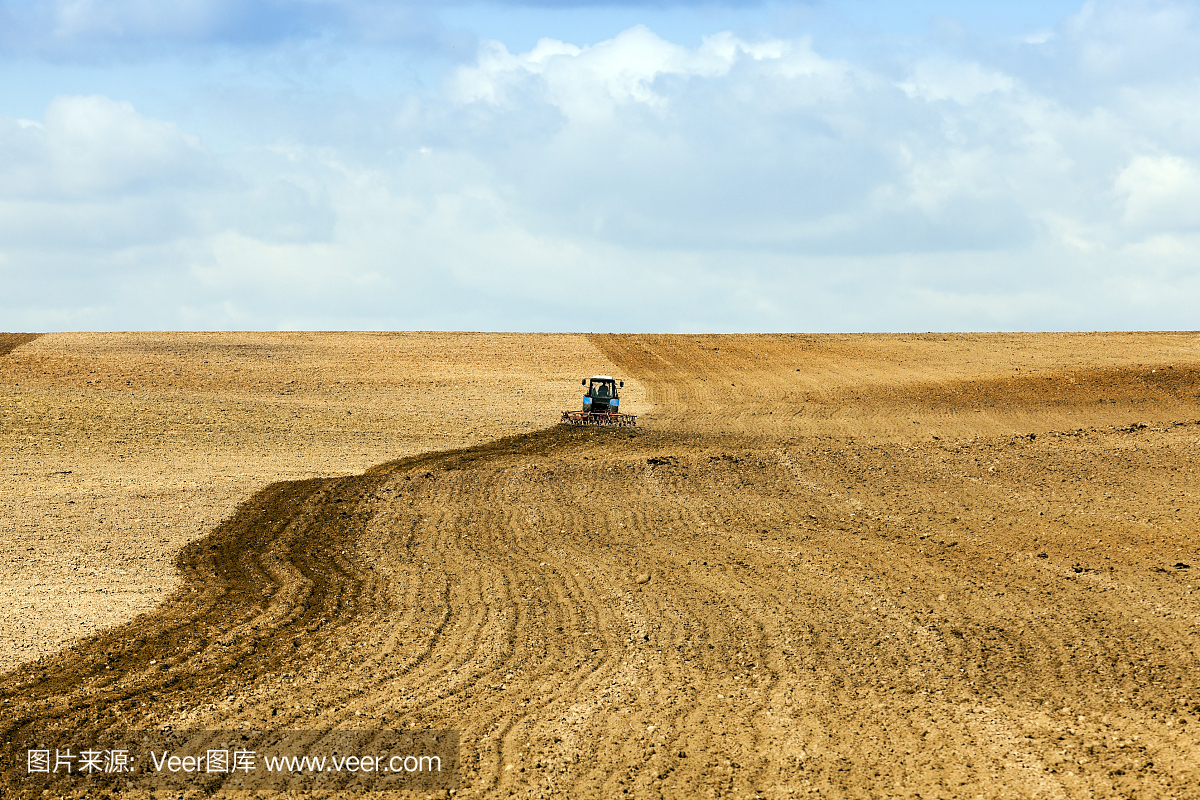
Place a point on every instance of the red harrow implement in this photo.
(598, 418)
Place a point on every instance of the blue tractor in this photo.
(601, 404)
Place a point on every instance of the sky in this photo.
(566, 165)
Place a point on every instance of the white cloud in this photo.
(587, 83)
(93, 146)
(736, 183)
(1161, 193)
(964, 83)
(1123, 40)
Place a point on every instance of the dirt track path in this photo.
(835, 601)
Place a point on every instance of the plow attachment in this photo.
(598, 418)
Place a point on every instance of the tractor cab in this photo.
(602, 394)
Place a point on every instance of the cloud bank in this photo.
(747, 182)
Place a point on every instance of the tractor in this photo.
(601, 404)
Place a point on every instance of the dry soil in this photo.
(852, 566)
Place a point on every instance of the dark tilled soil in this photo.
(11, 341)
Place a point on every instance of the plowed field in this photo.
(116, 450)
(856, 566)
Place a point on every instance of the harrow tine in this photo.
(594, 418)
